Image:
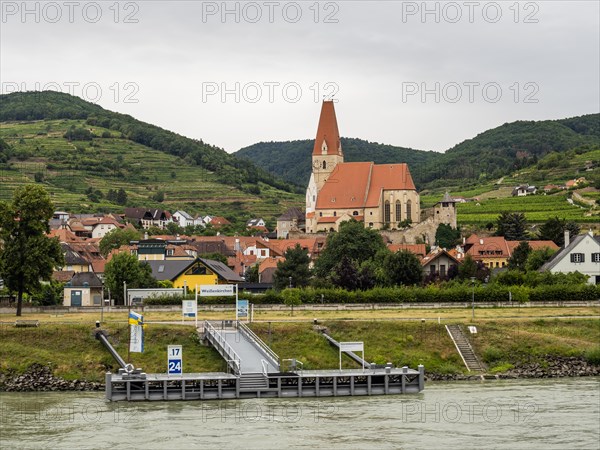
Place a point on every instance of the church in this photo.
(379, 195)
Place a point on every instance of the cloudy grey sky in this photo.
(425, 75)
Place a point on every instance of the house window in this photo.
(197, 270)
(370, 224)
(170, 252)
(432, 269)
(409, 210)
(355, 213)
(263, 253)
(334, 213)
(596, 257)
(398, 211)
(442, 270)
(577, 257)
(386, 212)
(320, 214)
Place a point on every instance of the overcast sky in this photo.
(413, 74)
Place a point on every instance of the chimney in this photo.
(480, 241)
(236, 247)
(567, 240)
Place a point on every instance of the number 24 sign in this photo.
(174, 358)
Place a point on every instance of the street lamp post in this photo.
(290, 282)
(473, 298)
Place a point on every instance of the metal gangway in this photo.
(243, 350)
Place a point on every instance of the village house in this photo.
(439, 263)
(84, 289)
(523, 190)
(194, 272)
(183, 219)
(146, 218)
(582, 254)
(292, 220)
(495, 251)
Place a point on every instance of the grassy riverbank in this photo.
(73, 353)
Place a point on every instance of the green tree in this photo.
(116, 238)
(537, 258)
(518, 260)
(251, 274)
(124, 267)
(554, 230)
(446, 236)
(513, 226)
(292, 297)
(468, 268)
(27, 254)
(174, 228)
(353, 240)
(402, 268)
(121, 197)
(295, 265)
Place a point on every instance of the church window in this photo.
(398, 211)
(320, 214)
(370, 224)
(334, 213)
(386, 212)
(409, 210)
(324, 165)
(355, 213)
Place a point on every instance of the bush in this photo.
(593, 356)
(492, 354)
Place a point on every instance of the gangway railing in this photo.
(250, 335)
(294, 365)
(223, 347)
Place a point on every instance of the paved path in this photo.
(249, 354)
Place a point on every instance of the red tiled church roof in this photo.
(327, 131)
(359, 184)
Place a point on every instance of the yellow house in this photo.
(191, 273)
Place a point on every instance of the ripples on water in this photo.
(516, 414)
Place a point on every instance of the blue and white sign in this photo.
(242, 308)
(190, 308)
(175, 360)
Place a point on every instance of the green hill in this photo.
(488, 156)
(291, 160)
(80, 151)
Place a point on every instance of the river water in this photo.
(515, 414)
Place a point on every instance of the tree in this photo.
(446, 236)
(27, 254)
(353, 240)
(295, 265)
(402, 268)
(121, 197)
(124, 267)
(519, 257)
(554, 230)
(291, 297)
(251, 274)
(537, 258)
(116, 238)
(468, 268)
(345, 274)
(513, 226)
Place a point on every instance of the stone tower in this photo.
(444, 211)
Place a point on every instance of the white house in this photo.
(523, 190)
(103, 227)
(255, 223)
(183, 219)
(582, 255)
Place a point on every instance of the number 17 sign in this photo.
(174, 358)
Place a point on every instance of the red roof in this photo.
(327, 131)
(360, 184)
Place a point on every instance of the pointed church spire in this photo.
(327, 141)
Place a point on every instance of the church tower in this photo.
(327, 151)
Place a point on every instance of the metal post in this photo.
(473, 298)
(125, 301)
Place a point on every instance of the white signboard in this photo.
(190, 308)
(175, 360)
(215, 290)
(352, 346)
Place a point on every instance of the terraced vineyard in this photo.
(537, 208)
(69, 169)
